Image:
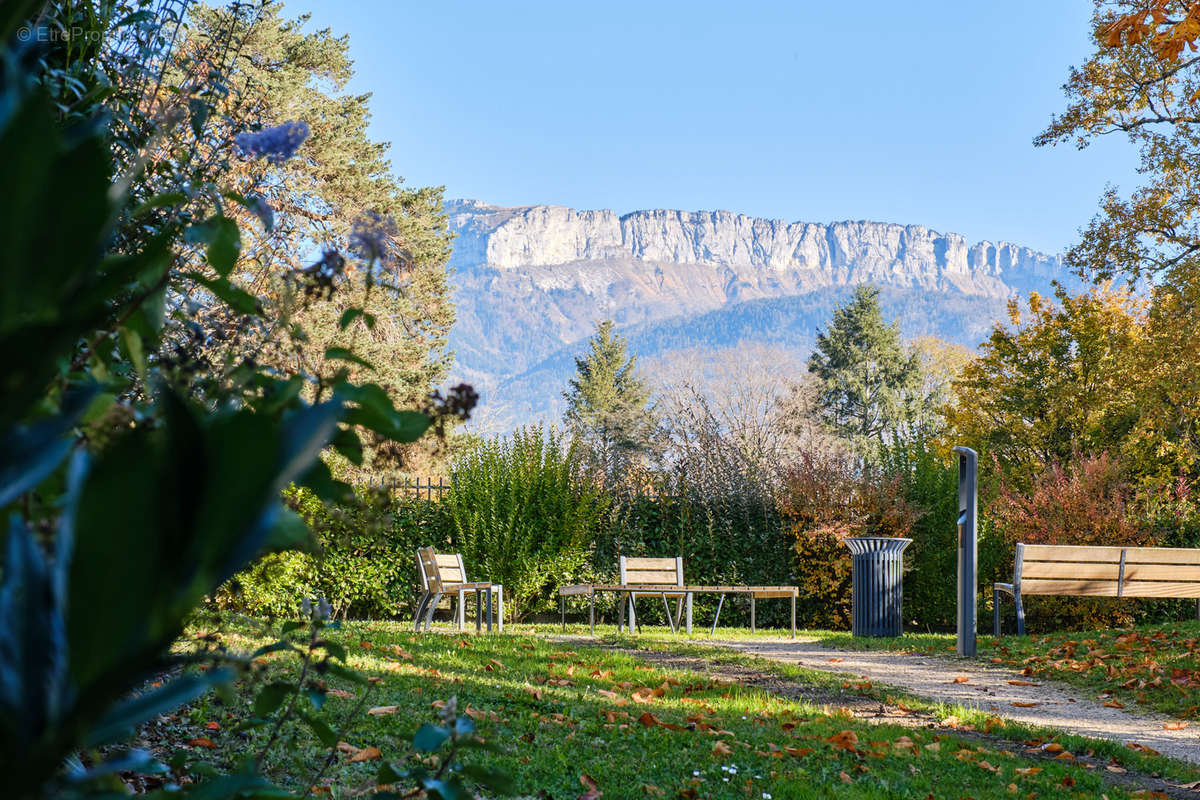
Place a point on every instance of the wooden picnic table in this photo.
(685, 591)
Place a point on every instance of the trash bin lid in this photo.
(860, 545)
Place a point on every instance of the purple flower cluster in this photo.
(276, 144)
(370, 235)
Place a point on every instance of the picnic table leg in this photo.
(793, 616)
(500, 609)
(592, 612)
(489, 610)
(688, 606)
(633, 628)
(717, 616)
(462, 609)
(478, 610)
(562, 606)
(620, 611)
(752, 612)
(672, 622)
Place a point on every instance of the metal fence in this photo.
(413, 487)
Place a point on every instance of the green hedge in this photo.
(366, 567)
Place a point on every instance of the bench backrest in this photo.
(652, 571)
(439, 570)
(1108, 571)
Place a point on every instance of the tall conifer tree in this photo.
(607, 400)
(869, 382)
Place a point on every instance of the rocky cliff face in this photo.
(532, 282)
(773, 255)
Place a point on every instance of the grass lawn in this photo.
(1153, 666)
(566, 715)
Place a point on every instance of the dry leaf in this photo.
(366, 754)
(382, 711)
(1174, 726)
(1023, 683)
(203, 741)
(721, 749)
(961, 679)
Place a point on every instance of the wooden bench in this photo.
(444, 573)
(663, 577)
(1084, 571)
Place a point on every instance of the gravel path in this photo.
(987, 688)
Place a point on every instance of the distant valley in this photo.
(532, 281)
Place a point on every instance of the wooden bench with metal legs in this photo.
(1087, 571)
(444, 574)
(663, 578)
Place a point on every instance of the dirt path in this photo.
(987, 688)
(871, 710)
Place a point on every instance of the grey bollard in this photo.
(968, 554)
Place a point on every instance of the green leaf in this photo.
(430, 737)
(320, 728)
(333, 648)
(121, 719)
(198, 110)
(225, 246)
(343, 354)
(493, 779)
(345, 673)
(271, 697)
(158, 201)
(239, 300)
(132, 341)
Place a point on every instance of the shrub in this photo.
(929, 485)
(727, 537)
(523, 516)
(366, 567)
(828, 497)
(1086, 501)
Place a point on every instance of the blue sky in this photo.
(902, 112)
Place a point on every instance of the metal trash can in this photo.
(878, 565)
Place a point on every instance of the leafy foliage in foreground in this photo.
(579, 720)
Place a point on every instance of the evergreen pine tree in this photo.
(607, 400)
(869, 383)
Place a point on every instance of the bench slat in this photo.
(1185, 573)
(646, 576)
(1072, 553)
(1082, 588)
(1161, 589)
(1063, 569)
(647, 563)
(1162, 555)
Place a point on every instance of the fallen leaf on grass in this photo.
(589, 783)
(845, 740)
(721, 749)
(1114, 704)
(382, 711)
(846, 778)
(342, 693)
(213, 726)
(366, 754)
(203, 741)
(1174, 726)
(1025, 772)
(1019, 704)
(649, 720)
